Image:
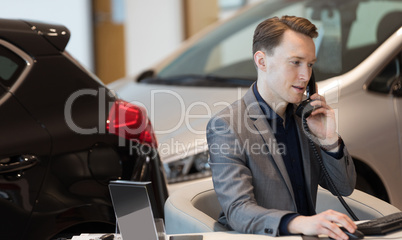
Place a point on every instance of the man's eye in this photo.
(296, 62)
(310, 64)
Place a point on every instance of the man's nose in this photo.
(305, 73)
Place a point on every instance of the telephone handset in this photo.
(304, 110)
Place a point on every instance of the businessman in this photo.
(264, 171)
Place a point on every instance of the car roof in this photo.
(35, 38)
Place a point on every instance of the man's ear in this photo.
(260, 61)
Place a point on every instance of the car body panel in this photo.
(18, 195)
(179, 114)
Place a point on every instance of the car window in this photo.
(11, 66)
(349, 31)
(374, 22)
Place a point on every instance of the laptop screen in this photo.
(133, 210)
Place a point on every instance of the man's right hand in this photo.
(325, 223)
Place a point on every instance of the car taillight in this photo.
(131, 122)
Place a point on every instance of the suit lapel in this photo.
(266, 132)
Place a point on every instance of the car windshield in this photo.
(349, 31)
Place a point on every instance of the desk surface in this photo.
(239, 236)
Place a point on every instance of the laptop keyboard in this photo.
(382, 225)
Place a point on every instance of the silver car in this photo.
(358, 70)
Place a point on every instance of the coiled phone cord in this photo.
(326, 174)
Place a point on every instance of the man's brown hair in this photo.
(268, 33)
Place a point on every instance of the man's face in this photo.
(288, 69)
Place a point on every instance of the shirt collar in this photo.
(267, 110)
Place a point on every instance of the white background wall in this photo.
(74, 14)
(153, 29)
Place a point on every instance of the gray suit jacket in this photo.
(248, 172)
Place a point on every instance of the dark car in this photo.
(63, 137)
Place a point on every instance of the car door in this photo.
(387, 84)
(24, 147)
(396, 90)
(393, 73)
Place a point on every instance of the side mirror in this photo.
(145, 74)
(397, 88)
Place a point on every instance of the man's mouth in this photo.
(299, 88)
